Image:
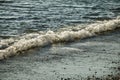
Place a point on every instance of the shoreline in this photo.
(38, 40)
(96, 58)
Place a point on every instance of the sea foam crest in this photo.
(28, 41)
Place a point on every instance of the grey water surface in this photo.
(98, 56)
(20, 16)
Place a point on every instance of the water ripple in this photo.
(53, 13)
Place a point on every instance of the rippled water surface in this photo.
(19, 16)
(97, 56)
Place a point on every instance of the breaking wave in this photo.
(13, 46)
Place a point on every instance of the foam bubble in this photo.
(28, 41)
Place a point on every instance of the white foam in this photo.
(29, 41)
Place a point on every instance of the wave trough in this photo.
(13, 46)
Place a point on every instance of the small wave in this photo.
(65, 50)
(16, 45)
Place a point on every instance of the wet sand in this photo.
(95, 58)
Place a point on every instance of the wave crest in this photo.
(28, 41)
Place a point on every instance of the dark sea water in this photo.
(78, 59)
(20, 16)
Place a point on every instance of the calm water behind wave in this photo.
(18, 16)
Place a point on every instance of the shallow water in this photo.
(56, 61)
(19, 16)
(98, 56)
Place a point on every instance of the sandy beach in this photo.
(95, 58)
